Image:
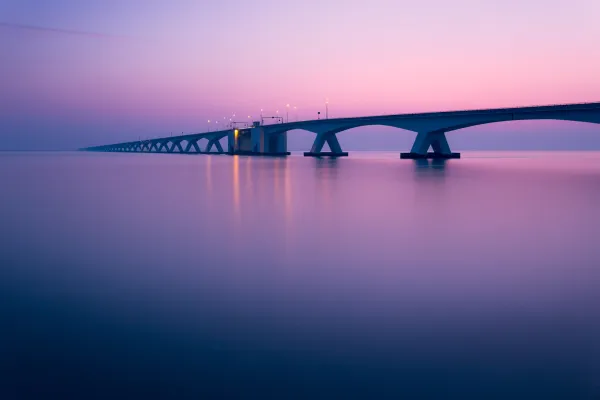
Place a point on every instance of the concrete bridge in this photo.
(430, 128)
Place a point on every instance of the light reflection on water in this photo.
(364, 277)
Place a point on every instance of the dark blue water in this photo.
(165, 276)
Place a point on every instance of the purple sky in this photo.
(76, 73)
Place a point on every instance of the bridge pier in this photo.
(194, 144)
(438, 143)
(332, 142)
(216, 143)
(175, 144)
(163, 145)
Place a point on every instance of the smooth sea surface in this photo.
(178, 276)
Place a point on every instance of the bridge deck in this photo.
(378, 118)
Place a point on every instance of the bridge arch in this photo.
(479, 123)
(405, 137)
(441, 126)
(433, 136)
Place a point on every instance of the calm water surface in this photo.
(166, 276)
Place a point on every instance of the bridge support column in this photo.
(332, 142)
(176, 143)
(216, 143)
(194, 144)
(164, 145)
(438, 143)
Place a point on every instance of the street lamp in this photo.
(296, 112)
(326, 108)
(287, 113)
(208, 126)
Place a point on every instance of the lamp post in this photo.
(296, 112)
(287, 113)
(208, 126)
(326, 108)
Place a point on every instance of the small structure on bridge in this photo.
(256, 140)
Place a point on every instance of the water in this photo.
(166, 276)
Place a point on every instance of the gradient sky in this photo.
(75, 73)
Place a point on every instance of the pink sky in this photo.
(113, 70)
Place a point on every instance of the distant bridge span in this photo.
(430, 127)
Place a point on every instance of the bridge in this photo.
(430, 128)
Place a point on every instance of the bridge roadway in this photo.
(430, 128)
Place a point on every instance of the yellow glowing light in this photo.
(235, 133)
